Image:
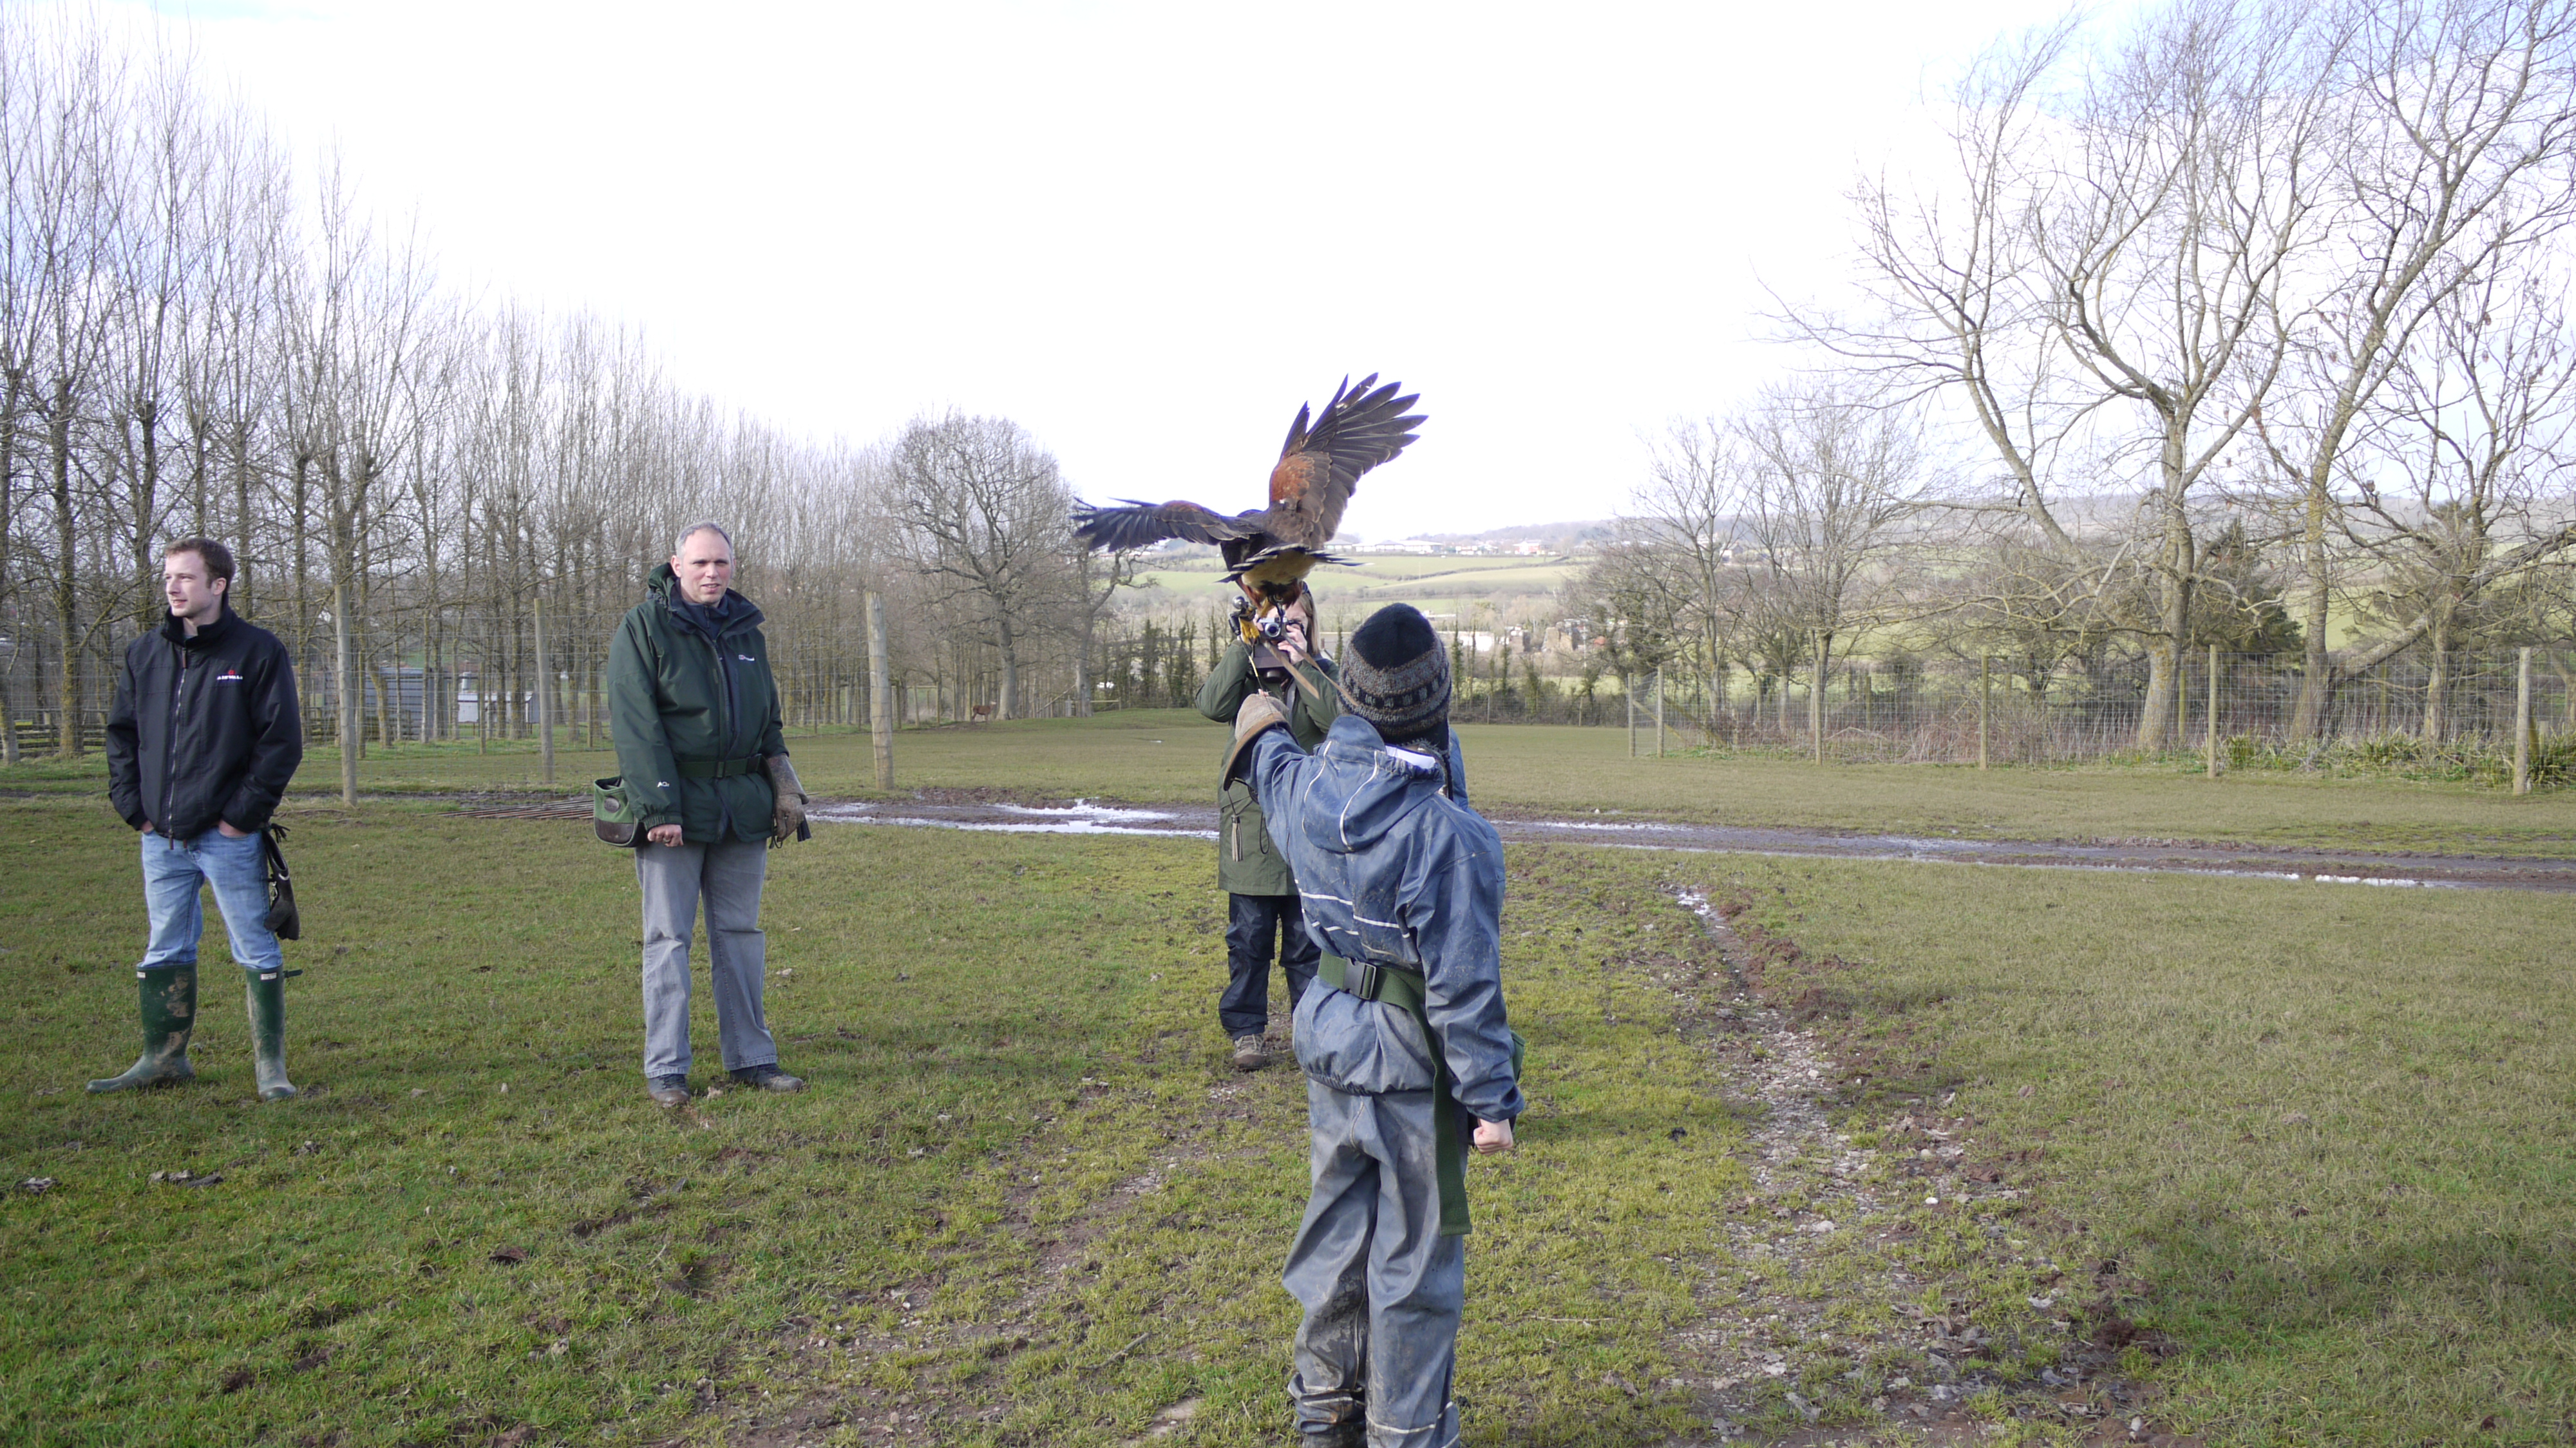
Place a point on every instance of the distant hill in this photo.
(1554, 537)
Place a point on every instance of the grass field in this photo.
(1167, 755)
(1026, 1197)
(2326, 1142)
(2322, 1135)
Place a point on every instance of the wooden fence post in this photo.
(345, 715)
(2182, 698)
(1816, 701)
(1985, 702)
(2213, 711)
(545, 695)
(880, 700)
(1659, 713)
(2522, 727)
(1628, 697)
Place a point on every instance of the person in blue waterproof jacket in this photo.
(1406, 1047)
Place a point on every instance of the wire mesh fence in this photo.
(484, 674)
(1960, 710)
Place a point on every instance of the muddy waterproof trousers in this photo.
(1252, 921)
(1381, 1287)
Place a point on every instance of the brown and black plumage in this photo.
(1268, 551)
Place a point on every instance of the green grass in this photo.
(1025, 1193)
(2324, 1134)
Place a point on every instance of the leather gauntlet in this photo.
(787, 814)
(1258, 713)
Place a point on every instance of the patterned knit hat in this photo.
(1396, 675)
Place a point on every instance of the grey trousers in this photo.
(1381, 1287)
(728, 877)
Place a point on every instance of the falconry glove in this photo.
(1259, 712)
(787, 814)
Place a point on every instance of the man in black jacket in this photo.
(200, 745)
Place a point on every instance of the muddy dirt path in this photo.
(1829, 1225)
(2305, 866)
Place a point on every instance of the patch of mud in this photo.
(1828, 1226)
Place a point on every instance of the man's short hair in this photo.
(703, 525)
(218, 558)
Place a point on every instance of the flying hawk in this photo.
(1269, 551)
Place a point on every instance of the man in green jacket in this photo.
(699, 741)
(1261, 895)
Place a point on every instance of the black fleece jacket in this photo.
(205, 729)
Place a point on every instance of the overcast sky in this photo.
(1146, 232)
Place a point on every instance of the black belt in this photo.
(718, 768)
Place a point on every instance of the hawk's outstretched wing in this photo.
(1114, 530)
(1320, 466)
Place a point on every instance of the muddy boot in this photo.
(1249, 1054)
(267, 999)
(169, 1009)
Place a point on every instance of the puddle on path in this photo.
(1100, 817)
(1082, 817)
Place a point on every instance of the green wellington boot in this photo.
(267, 992)
(169, 1008)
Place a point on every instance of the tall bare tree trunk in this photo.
(880, 695)
(145, 491)
(2437, 683)
(58, 435)
(545, 691)
(2316, 679)
(239, 593)
(2173, 620)
(348, 711)
(1009, 705)
(15, 382)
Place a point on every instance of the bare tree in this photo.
(1955, 298)
(979, 510)
(1829, 476)
(2453, 159)
(2471, 489)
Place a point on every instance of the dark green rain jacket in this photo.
(694, 716)
(1246, 862)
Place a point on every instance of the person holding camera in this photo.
(201, 742)
(1261, 893)
(1408, 1053)
(703, 751)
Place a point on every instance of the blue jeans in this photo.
(727, 876)
(172, 872)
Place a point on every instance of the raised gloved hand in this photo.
(787, 813)
(1259, 712)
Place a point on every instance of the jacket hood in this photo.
(664, 586)
(1365, 787)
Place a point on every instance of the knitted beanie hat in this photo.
(1396, 674)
